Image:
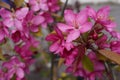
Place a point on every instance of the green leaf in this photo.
(18, 3)
(85, 36)
(87, 64)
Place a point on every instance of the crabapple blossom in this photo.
(58, 42)
(102, 17)
(33, 21)
(88, 31)
(76, 23)
(37, 5)
(53, 5)
(14, 67)
(14, 20)
(48, 19)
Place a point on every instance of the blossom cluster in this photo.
(18, 25)
(78, 38)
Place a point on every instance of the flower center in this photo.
(13, 16)
(76, 25)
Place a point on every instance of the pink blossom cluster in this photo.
(18, 26)
(80, 35)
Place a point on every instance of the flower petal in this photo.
(52, 37)
(20, 73)
(91, 12)
(64, 27)
(73, 35)
(54, 47)
(103, 12)
(69, 16)
(8, 22)
(18, 24)
(82, 17)
(86, 27)
(38, 20)
(20, 14)
(110, 26)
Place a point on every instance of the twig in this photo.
(52, 66)
(64, 8)
(108, 71)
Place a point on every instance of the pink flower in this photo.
(53, 5)
(58, 42)
(3, 32)
(102, 17)
(75, 24)
(115, 46)
(115, 34)
(48, 19)
(14, 67)
(33, 21)
(14, 20)
(38, 5)
(24, 50)
(70, 56)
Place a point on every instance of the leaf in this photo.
(1, 55)
(85, 36)
(5, 5)
(110, 55)
(117, 68)
(60, 62)
(18, 3)
(87, 64)
(101, 57)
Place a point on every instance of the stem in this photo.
(52, 66)
(64, 7)
(108, 71)
(110, 39)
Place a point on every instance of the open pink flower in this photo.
(58, 42)
(14, 67)
(48, 19)
(14, 20)
(115, 34)
(53, 5)
(75, 24)
(32, 22)
(38, 5)
(102, 17)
